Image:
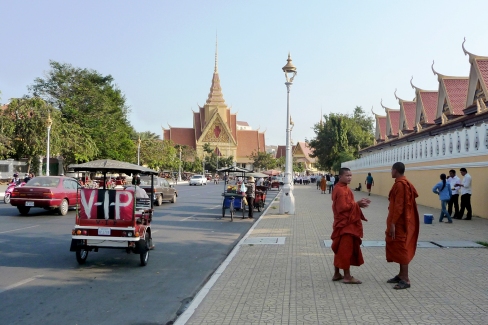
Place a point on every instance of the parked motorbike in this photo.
(9, 191)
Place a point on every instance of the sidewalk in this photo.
(291, 283)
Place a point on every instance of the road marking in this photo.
(3, 232)
(213, 207)
(188, 217)
(154, 231)
(18, 284)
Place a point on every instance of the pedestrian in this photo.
(250, 195)
(465, 186)
(402, 225)
(369, 182)
(318, 180)
(331, 183)
(323, 184)
(347, 229)
(443, 189)
(453, 180)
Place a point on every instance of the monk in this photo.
(347, 229)
(402, 225)
(323, 184)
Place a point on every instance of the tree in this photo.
(298, 167)
(212, 161)
(94, 103)
(263, 160)
(159, 154)
(281, 162)
(340, 137)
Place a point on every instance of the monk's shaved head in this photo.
(399, 167)
(343, 170)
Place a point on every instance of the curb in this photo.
(202, 293)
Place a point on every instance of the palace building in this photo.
(214, 123)
(437, 131)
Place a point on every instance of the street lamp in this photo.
(49, 122)
(179, 168)
(287, 202)
(138, 150)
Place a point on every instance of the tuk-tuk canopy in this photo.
(114, 166)
(234, 169)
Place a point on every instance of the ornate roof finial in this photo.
(432, 67)
(396, 94)
(384, 107)
(216, 69)
(464, 49)
(471, 55)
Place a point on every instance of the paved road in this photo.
(41, 282)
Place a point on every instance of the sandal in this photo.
(352, 281)
(401, 285)
(338, 279)
(396, 279)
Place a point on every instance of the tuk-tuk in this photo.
(113, 218)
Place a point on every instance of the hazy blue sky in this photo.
(161, 53)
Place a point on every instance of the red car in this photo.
(48, 192)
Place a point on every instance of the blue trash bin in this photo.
(428, 218)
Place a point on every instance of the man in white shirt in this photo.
(453, 180)
(465, 187)
(332, 181)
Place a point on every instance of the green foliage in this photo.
(159, 155)
(263, 160)
(340, 138)
(281, 162)
(298, 167)
(207, 148)
(94, 103)
(212, 161)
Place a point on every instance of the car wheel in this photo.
(173, 200)
(6, 199)
(23, 210)
(159, 200)
(81, 256)
(63, 208)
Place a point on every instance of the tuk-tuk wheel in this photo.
(145, 256)
(81, 256)
(259, 208)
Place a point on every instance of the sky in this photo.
(161, 53)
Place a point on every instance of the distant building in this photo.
(301, 153)
(215, 124)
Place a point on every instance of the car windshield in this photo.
(197, 176)
(44, 181)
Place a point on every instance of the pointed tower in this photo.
(215, 101)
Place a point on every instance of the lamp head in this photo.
(49, 122)
(290, 70)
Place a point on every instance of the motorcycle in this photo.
(9, 191)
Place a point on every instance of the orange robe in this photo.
(322, 184)
(402, 211)
(347, 228)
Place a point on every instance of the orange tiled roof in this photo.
(242, 123)
(382, 125)
(429, 103)
(394, 121)
(457, 93)
(183, 136)
(280, 151)
(249, 141)
(482, 64)
(409, 111)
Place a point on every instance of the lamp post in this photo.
(287, 202)
(49, 122)
(179, 168)
(138, 150)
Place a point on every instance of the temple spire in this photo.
(216, 68)
(215, 97)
